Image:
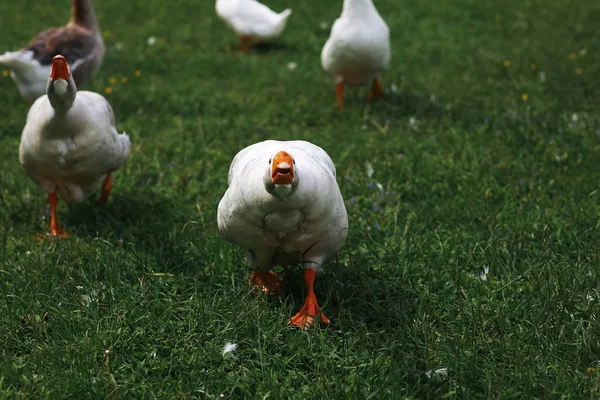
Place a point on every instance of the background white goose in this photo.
(358, 48)
(80, 42)
(69, 144)
(283, 206)
(252, 21)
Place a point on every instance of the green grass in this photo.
(466, 174)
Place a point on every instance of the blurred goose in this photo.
(252, 21)
(69, 144)
(79, 42)
(283, 206)
(358, 48)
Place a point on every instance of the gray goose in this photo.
(79, 42)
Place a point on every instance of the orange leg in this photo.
(106, 188)
(376, 91)
(307, 314)
(339, 88)
(245, 44)
(55, 229)
(265, 281)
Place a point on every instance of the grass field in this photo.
(484, 156)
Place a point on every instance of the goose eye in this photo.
(270, 161)
(294, 161)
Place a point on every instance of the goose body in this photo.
(358, 48)
(80, 42)
(70, 144)
(252, 22)
(283, 206)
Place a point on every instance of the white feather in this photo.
(439, 373)
(229, 348)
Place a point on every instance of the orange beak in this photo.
(60, 68)
(282, 169)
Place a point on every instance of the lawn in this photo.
(471, 268)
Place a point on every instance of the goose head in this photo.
(61, 89)
(357, 8)
(281, 178)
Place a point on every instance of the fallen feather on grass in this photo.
(369, 169)
(229, 348)
(440, 373)
(483, 275)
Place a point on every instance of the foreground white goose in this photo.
(252, 21)
(358, 48)
(283, 206)
(80, 42)
(69, 144)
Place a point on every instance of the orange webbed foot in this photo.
(265, 281)
(55, 229)
(106, 188)
(308, 313)
(58, 232)
(339, 91)
(376, 92)
(55, 233)
(245, 44)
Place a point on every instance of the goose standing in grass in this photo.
(252, 21)
(283, 206)
(70, 144)
(80, 42)
(358, 48)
